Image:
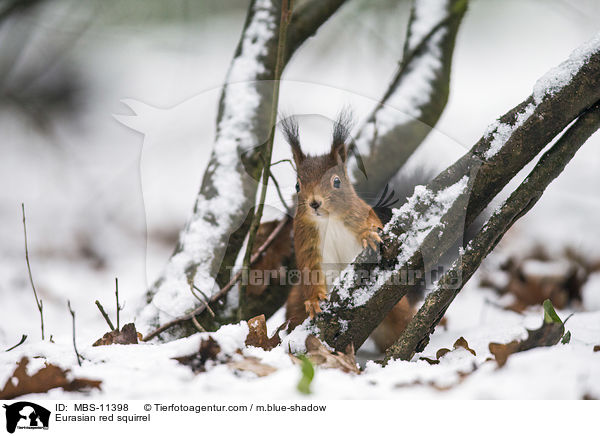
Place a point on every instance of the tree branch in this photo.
(416, 336)
(286, 14)
(435, 217)
(208, 246)
(415, 98)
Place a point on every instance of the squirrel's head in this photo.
(322, 184)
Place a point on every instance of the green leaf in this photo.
(308, 373)
(566, 338)
(550, 315)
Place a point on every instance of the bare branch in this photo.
(182, 319)
(423, 230)
(416, 336)
(215, 232)
(74, 343)
(415, 98)
(105, 316)
(286, 15)
(23, 339)
(38, 302)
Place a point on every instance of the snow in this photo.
(590, 292)
(543, 269)
(420, 225)
(83, 191)
(559, 76)
(501, 132)
(427, 15)
(146, 370)
(439, 204)
(553, 81)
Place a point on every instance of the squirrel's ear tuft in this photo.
(341, 132)
(289, 126)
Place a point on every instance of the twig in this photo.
(39, 303)
(198, 325)
(203, 300)
(287, 208)
(74, 344)
(285, 160)
(119, 308)
(552, 163)
(105, 315)
(23, 338)
(276, 231)
(286, 15)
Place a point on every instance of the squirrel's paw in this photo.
(312, 307)
(370, 238)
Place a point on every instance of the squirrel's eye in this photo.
(297, 186)
(336, 183)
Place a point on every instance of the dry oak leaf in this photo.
(49, 377)
(547, 335)
(252, 364)
(209, 350)
(459, 343)
(257, 334)
(321, 356)
(596, 348)
(127, 335)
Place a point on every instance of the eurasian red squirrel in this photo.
(332, 225)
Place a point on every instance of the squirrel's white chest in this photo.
(339, 246)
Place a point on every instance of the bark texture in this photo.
(488, 167)
(416, 336)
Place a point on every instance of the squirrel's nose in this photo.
(315, 204)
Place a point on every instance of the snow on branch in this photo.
(473, 182)
(551, 83)
(227, 192)
(215, 232)
(416, 96)
(416, 336)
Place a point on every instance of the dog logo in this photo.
(26, 415)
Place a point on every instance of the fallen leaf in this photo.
(551, 331)
(430, 361)
(321, 356)
(49, 377)
(252, 364)
(127, 335)
(257, 334)
(459, 343)
(539, 277)
(462, 343)
(209, 351)
(441, 352)
(596, 348)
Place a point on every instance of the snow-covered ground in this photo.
(103, 201)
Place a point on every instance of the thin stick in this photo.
(105, 315)
(74, 344)
(225, 288)
(203, 300)
(118, 307)
(285, 160)
(39, 303)
(286, 16)
(198, 325)
(287, 208)
(23, 338)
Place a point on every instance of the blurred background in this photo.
(107, 112)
